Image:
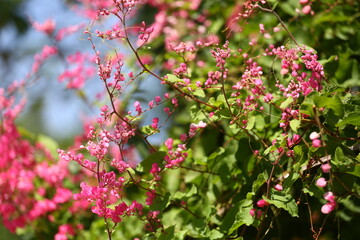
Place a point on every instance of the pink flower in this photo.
(104, 108)
(278, 187)
(314, 135)
(252, 212)
(329, 196)
(261, 203)
(60, 236)
(137, 106)
(284, 71)
(47, 27)
(258, 82)
(327, 208)
(155, 169)
(303, 2)
(268, 97)
(151, 195)
(330, 205)
(316, 143)
(183, 137)
(326, 168)
(321, 182)
(194, 127)
(169, 143)
(306, 9)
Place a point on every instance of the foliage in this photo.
(261, 111)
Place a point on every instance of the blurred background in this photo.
(51, 109)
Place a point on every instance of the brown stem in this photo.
(281, 22)
(155, 75)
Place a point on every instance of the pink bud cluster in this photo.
(47, 27)
(153, 221)
(176, 156)
(194, 127)
(81, 70)
(39, 58)
(291, 64)
(221, 55)
(29, 188)
(213, 79)
(251, 80)
(330, 205)
(145, 32)
(306, 9)
(107, 195)
(182, 69)
(258, 213)
(65, 231)
(316, 142)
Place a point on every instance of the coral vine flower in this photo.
(326, 168)
(262, 203)
(278, 187)
(314, 135)
(330, 205)
(321, 182)
(316, 143)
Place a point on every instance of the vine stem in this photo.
(281, 22)
(268, 182)
(135, 51)
(160, 195)
(110, 94)
(310, 215)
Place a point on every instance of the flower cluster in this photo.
(32, 182)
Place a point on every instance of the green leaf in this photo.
(173, 78)
(321, 18)
(352, 118)
(284, 201)
(355, 170)
(288, 8)
(216, 25)
(160, 203)
(199, 93)
(243, 216)
(215, 234)
(251, 123)
(218, 152)
(259, 122)
(295, 124)
(340, 159)
(148, 130)
(168, 233)
(313, 190)
(269, 149)
(289, 181)
(287, 102)
(146, 165)
(260, 180)
(275, 5)
(329, 60)
(181, 195)
(333, 103)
